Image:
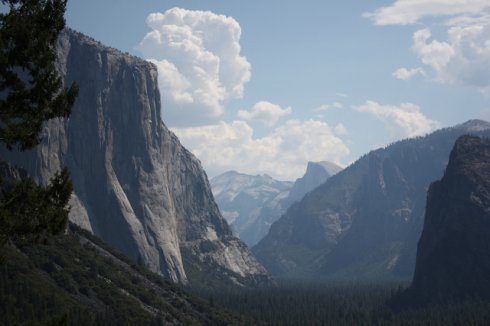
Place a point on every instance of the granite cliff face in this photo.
(363, 223)
(135, 185)
(316, 174)
(453, 255)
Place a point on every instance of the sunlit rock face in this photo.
(363, 224)
(453, 256)
(135, 185)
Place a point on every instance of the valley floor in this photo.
(77, 280)
(342, 305)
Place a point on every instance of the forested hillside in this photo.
(76, 278)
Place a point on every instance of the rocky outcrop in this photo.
(316, 174)
(363, 223)
(135, 185)
(453, 255)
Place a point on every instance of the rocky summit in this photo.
(453, 255)
(135, 185)
(316, 174)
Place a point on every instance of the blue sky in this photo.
(265, 86)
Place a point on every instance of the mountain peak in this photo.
(474, 125)
(330, 167)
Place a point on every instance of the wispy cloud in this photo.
(407, 12)
(407, 74)
(402, 121)
(326, 107)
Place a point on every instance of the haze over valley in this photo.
(244, 163)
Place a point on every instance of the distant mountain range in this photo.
(251, 204)
(241, 197)
(363, 223)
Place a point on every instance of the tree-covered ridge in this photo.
(79, 279)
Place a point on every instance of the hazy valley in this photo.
(108, 216)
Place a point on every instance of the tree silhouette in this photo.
(31, 92)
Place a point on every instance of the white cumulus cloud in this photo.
(406, 12)
(434, 53)
(405, 120)
(407, 74)
(463, 58)
(266, 112)
(199, 63)
(283, 153)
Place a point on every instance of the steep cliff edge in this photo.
(316, 174)
(135, 185)
(453, 254)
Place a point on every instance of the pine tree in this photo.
(31, 92)
(30, 87)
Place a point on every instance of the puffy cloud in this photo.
(283, 153)
(199, 63)
(405, 120)
(435, 54)
(266, 112)
(407, 74)
(406, 12)
(464, 58)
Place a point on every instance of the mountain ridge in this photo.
(364, 222)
